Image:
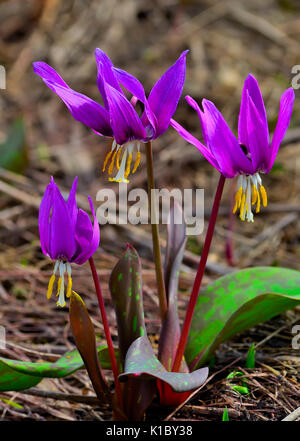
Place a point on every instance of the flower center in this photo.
(124, 167)
(62, 267)
(250, 192)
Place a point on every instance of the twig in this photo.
(293, 416)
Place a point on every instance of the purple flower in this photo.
(67, 235)
(118, 118)
(250, 154)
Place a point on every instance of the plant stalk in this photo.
(155, 234)
(107, 332)
(198, 279)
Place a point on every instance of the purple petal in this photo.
(48, 73)
(82, 108)
(196, 107)
(125, 122)
(44, 217)
(87, 236)
(258, 137)
(133, 85)
(284, 117)
(194, 141)
(62, 241)
(251, 87)
(222, 143)
(164, 96)
(71, 203)
(105, 74)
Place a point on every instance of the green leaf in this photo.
(170, 332)
(13, 152)
(84, 335)
(126, 291)
(237, 302)
(141, 362)
(20, 375)
(225, 416)
(243, 390)
(250, 362)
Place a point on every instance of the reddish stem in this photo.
(199, 276)
(111, 351)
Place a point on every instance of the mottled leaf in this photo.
(141, 362)
(126, 291)
(13, 151)
(20, 375)
(237, 302)
(170, 332)
(84, 335)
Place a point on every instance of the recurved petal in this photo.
(196, 107)
(47, 73)
(222, 143)
(134, 86)
(252, 89)
(105, 74)
(125, 122)
(71, 202)
(82, 108)
(87, 236)
(164, 96)
(62, 239)
(258, 138)
(284, 117)
(44, 216)
(194, 141)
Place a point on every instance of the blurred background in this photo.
(38, 138)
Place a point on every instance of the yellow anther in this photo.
(118, 158)
(254, 195)
(263, 195)
(238, 198)
(137, 162)
(258, 203)
(58, 286)
(50, 286)
(69, 289)
(127, 171)
(242, 214)
(111, 165)
(106, 160)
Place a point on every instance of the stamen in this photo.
(111, 165)
(250, 192)
(137, 162)
(121, 173)
(106, 160)
(254, 195)
(238, 198)
(61, 288)
(69, 289)
(258, 203)
(118, 158)
(50, 286)
(263, 195)
(127, 171)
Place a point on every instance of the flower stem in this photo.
(199, 276)
(155, 233)
(107, 332)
